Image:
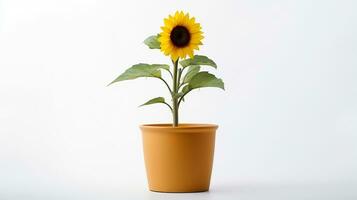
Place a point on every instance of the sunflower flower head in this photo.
(180, 36)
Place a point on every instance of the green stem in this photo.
(179, 79)
(181, 98)
(174, 95)
(169, 73)
(167, 85)
(168, 106)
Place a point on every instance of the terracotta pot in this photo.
(178, 159)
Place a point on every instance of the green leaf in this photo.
(186, 89)
(141, 70)
(198, 60)
(192, 70)
(178, 95)
(161, 66)
(152, 42)
(203, 79)
(200, 80)
(154, 100)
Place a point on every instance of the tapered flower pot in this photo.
(178, 159)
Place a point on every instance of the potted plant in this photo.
(178, 157)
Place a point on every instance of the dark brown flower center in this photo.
(180, 36)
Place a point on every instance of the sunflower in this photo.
(180, 36)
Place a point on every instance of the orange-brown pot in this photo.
(179, 159)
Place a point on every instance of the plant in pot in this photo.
(178, 157)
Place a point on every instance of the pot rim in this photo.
(181, 126)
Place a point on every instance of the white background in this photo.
(288, 117)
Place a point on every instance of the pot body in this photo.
(178, 159)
